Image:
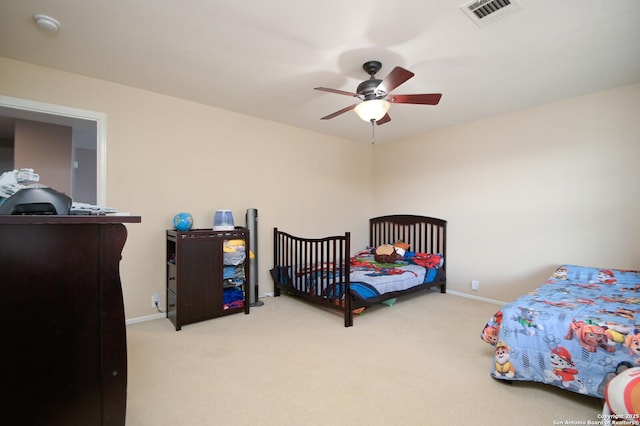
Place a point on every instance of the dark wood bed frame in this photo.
(425, 234)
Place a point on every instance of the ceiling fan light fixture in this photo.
(373, 109)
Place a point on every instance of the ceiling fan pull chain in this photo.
(373, 131)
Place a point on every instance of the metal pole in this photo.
(252, 226)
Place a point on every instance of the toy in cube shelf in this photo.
(183, 221)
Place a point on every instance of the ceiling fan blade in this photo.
(384, 119)
(424, 99)
(339, 92)
(337, 113)
(396, 77)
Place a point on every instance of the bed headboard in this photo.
(425, 234)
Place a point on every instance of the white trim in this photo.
(145, 318)
(471, 296)
(162, 315)
(270, 294)
(101, 136)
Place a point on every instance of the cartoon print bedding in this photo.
(371, 280)
(575, 332)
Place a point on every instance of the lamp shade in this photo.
(373, 109)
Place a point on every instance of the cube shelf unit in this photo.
(196, 285)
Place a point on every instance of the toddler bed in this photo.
(321, 270)
(576, 332)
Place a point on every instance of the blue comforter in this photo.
(574, 332)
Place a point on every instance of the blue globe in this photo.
(183, 221)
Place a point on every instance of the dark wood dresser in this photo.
(64, 352)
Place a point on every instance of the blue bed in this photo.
(575, 332)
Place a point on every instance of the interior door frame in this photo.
(73, 113)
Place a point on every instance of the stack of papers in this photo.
(77, 207)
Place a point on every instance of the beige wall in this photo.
(525, 191)
(522, 192)
(46, 148)
(166, 155)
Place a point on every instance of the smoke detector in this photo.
(483, 12)
(47, 23)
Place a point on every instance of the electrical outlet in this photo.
(475, 285)
(155, 300)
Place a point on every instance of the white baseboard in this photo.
(471, 296)
(270, 294)
(163, 315)
(146, 318)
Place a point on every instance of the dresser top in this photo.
(66, 220)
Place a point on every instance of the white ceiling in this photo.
(263, 58)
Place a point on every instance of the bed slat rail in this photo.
(425, 234)
(314, 268)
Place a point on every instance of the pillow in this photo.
(386, 253)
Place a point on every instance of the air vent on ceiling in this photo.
(483, 12)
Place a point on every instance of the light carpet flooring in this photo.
(419, 362)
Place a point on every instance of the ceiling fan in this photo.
(375, 94)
